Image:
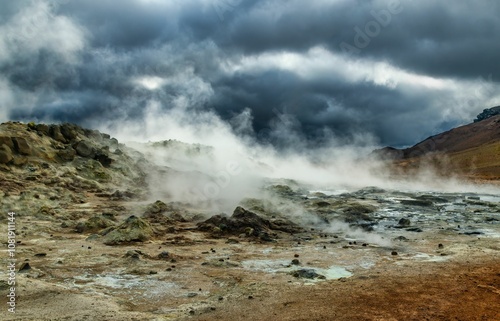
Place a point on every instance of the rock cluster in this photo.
(246, 223)
(19, 142)
(487, 113)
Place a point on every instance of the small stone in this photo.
(152, 272)
(404, 222)
(295, 262)
(221, 298)
(25, 267)
(440, 246)
(296, 255)
(168, 269)
(394, 253)
(164, 255)
(192, 294)
(41, 254)
(250, 297)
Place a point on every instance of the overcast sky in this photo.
(397, 70)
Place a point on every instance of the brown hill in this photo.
(471, 150)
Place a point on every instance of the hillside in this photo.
(471, 150)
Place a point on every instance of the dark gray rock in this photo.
(307, 274)
(404, 222)
(84, 149)
(487, 113)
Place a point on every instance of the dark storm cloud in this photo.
(424, 66)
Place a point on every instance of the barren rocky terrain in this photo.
(94, 241)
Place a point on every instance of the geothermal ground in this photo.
(91, 244)
(439, 263)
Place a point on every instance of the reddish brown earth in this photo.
(462, 291)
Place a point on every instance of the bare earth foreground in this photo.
(93, 242)
(72, 278)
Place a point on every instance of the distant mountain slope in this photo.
(472, 150)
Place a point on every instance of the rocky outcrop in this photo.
(134, 229)
(487, 113)
(244, 222)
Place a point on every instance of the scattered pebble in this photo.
(394, 253)
(25, 267)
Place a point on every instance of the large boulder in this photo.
(69, 131)
(42, 129)
(67, 154)
(84, 149)
(133, 229)
(5, 154)
(7, 141)
(21, 145)
(55, 133)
